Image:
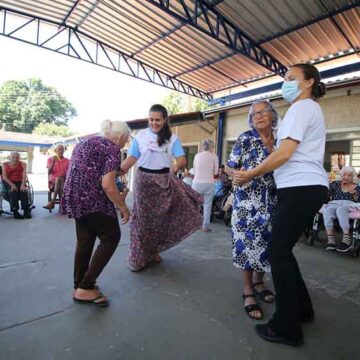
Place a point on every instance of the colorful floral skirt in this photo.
(166, 211)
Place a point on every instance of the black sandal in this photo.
(252, 307)
(264, 293)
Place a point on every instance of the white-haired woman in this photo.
(14, 181)
(342, 194)
(57, 168)
(253, 206)
(206, 167)
(90, 195)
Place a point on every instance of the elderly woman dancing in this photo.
(90, 195)
(166, 210)
(253, 206)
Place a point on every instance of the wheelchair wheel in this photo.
(314, 236)
(30, 194)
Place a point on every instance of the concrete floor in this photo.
(188, 307)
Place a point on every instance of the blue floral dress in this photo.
(253, 205)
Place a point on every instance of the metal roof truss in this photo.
(207, 19)
(67, 40)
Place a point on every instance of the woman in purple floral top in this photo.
(89, 196)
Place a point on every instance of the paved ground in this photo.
(188, 307)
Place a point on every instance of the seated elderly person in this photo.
(341, 195)
(57, 167)
(188, 176)
(14, 181)
(224, 177)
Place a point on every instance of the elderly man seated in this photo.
(57, 167)
(14, 181)
(342, 194)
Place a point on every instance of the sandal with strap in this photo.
(252, 307)
(264, 293)
(96, 301)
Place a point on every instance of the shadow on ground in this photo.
(188, 307)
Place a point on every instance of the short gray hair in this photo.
(270, 106)
(114, 128)
(207, 144)
(348, 170)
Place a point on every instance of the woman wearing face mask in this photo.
(302, 188)
(166, 210)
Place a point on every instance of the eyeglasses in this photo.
(261, 112)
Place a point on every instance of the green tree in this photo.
(176, 102)
(52, 130)
(26, 104)
(197, 104)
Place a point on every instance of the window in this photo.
(229, 146)
(190, 152)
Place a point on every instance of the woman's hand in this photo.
(175, 169)
(125, 213)
(22, 187)
(240, 177)
(13, 187)
(353, 192)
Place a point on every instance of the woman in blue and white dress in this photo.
(253, 206)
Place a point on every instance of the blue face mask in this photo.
(290, 90)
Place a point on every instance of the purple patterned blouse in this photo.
(92, 158)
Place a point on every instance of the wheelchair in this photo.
(29, 193)
(313, 233)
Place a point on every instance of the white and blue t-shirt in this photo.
(150, 155)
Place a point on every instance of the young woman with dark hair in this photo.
(302, 184)
(166, 210)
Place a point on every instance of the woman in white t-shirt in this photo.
(206, 166)
(301, 190)
(165, 210)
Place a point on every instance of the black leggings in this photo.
(295, 210)
(16, 196)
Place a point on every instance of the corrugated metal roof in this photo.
(290, 31)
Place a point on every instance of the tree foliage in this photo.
(176, 102)
(52, 130)
(173, 103)
(26, 104)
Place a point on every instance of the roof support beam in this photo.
(352, 5)
(70, 12)
(326, 74)
(174, 29)
(340, 29)
(340, 10)
(218, 27)
(70, 41)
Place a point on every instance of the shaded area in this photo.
(188, 307)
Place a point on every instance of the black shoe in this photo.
(343, 247)
(27, 214)
(330, 246)
(1, 212)
(308, 318)
(17, 215)
(266, 333)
